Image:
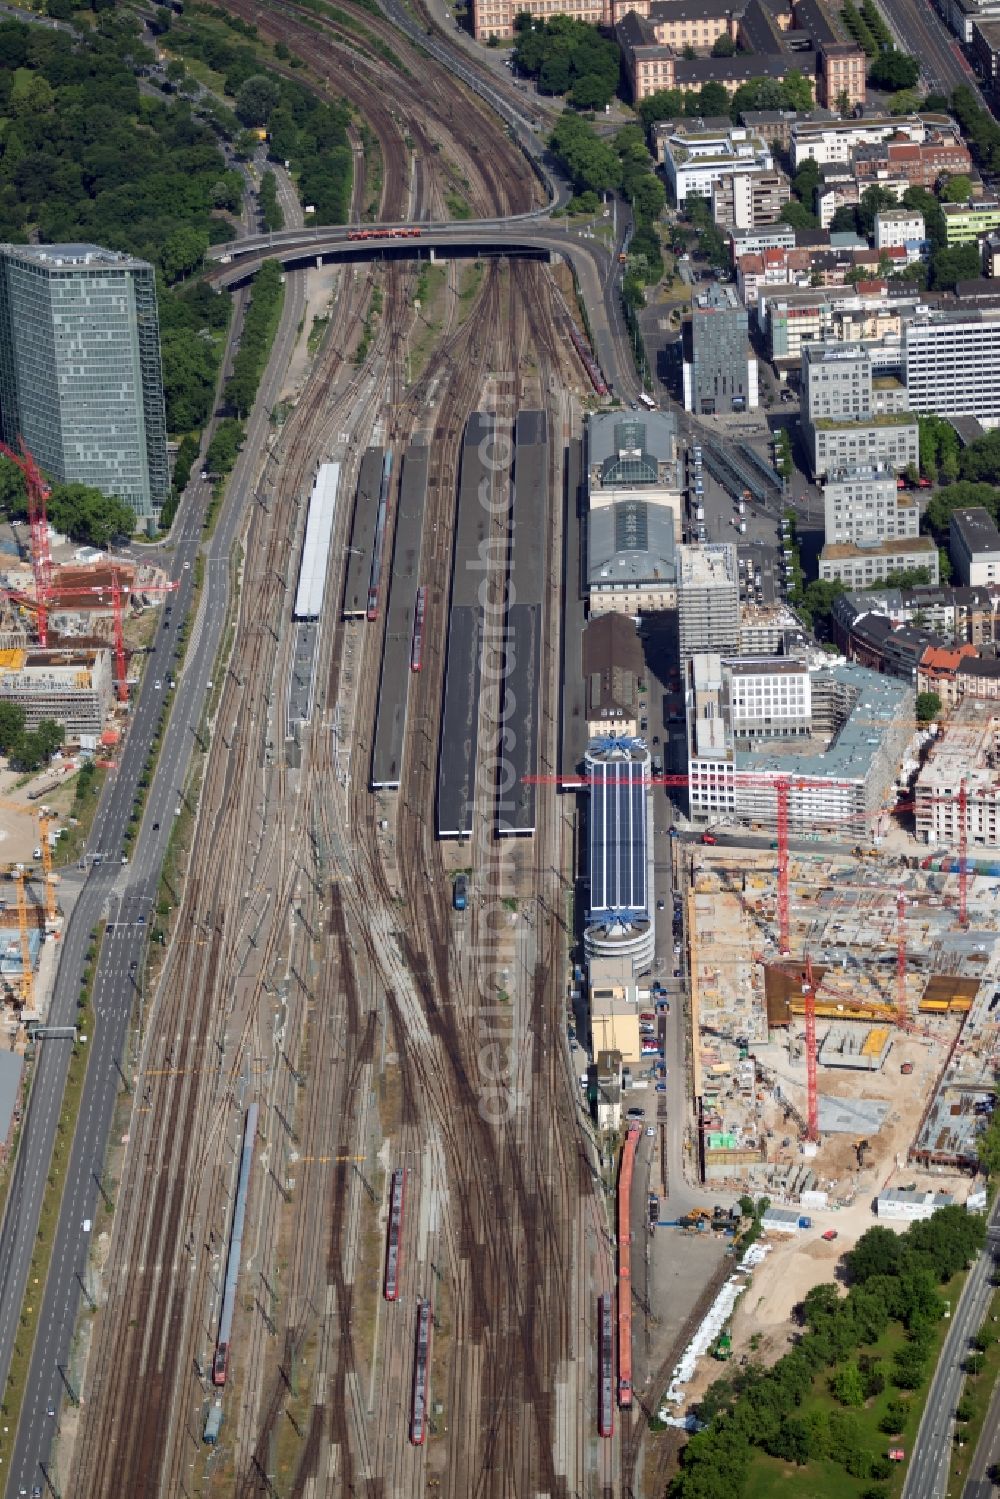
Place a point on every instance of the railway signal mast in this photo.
(41, 558)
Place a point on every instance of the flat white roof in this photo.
(316, 546)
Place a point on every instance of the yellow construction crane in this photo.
(27, 977)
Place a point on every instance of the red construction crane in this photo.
(119, 591)
(41, 560)
(812, 1111)
(963, 856)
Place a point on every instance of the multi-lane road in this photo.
(927, 1477)
(122, 898)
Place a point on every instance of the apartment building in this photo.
(851, 380)
(860, 566)
(896, 228)
(828, 141)
(921, 164)
(760, 239)
(964, 756)
(771, 268)
(792, 316)
(742, 200)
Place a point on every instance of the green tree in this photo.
(817, 603)
(895, 1417)
(798, 216)
(928, 707)
(12, 720)
(957, 189)
(893, 70)
(183, 251)
(798, 91)
(724, 46)
(87, 515)
(960, 496)
(949, 266)
(255, 99)
(981, 459)
(848, 1386)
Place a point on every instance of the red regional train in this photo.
(384, 233)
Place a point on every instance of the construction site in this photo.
(844, 1019)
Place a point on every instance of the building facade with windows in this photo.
(864, 505)
(856, 733)
(720, 376)
(952, 363)
(858, 565)
(80, 374)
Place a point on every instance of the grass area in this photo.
(368, 332)
(430, 294)
(770, 1478)
(470, 279)
(373, 169)
(49, 1216)
(316, 332)
(458, 205)
(982, 1373)
(87, 786)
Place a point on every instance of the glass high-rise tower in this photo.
(80, 374)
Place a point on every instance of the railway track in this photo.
(510, 1195)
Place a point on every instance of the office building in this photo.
(73, 687)
(952, 363)
(80, 376)
(720, 372)
(766, 697)
(860, 565)
(974, 546)
(851, 381)
(942, 153)
(620, 919)
(695, 159)
(839, 764)
(964, 222)
(864, 505)
(889, 441)
(708, 599)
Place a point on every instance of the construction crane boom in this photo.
(812, 1111)
(27, 977)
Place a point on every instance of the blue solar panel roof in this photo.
(618, 862)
